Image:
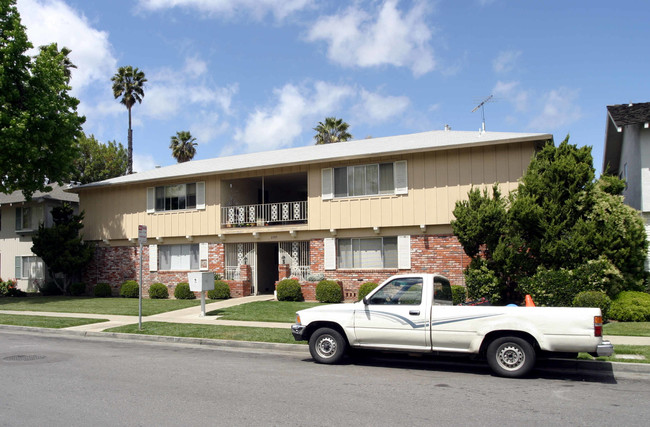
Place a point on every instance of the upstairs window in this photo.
(28, 218)
(365, 180)
(176, 197)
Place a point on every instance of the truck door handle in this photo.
(414, 312)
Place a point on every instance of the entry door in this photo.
(395, 316)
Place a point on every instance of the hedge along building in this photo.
(353, 211)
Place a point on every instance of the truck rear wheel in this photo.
(327, 346)
(511, 357)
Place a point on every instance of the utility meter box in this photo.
(201, 281)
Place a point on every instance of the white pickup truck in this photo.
(414, 313)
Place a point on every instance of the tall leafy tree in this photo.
(38, 118)
(128, 83)
(98, 161)
(331, 130)
(61, 247)
(183, 146)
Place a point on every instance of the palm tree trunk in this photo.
(129, 170)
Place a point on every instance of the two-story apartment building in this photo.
(19, 220)
(627, 154)
(355, 211)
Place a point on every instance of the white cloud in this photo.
(513, 93)
(296, 109)
(505, 61)
(143, 162)
(559, 109)
(377, 108)
(195, 67)
(389, 37)
(53, 21)
(280, 9)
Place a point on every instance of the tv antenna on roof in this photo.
(482, 107)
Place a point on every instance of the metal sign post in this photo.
(142, 240)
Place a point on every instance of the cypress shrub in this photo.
(289, 290)
(329, 291)
(221, 290)
(182, 291)
(458, 294)
(365, 289)
(158, 291)
(102, 290)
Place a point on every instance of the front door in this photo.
(395, 316)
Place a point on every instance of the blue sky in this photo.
(255, 75)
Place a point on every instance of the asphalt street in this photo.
(57, 381)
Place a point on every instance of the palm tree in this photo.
(182, 145)
(128, 83)
(333, 130)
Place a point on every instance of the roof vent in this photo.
(447, 128)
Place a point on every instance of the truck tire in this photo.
(511, 357)
(327, 346)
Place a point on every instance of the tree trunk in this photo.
(130, 148)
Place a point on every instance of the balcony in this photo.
(260, 215)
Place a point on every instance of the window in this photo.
(28, 218)
(176, 197)
(365, 180)
(442, 294)
(377, 252)
(178, 257)
(406, 291)
(29, 267)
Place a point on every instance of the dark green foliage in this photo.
(158, 291)
(130, 289)
(365, 289)
(596, 299)
(329, 291)
(221, 290)
(102, 290)
(289, 290)
(49, 288)
(97, 161)
(61, 247)
(10, 289)
(38, 118)
(217, 276)
(77, 289)
(458, 294)
(631, 306)
(559, 224)
(182, 291)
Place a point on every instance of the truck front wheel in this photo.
(327, 346)
(511, 357)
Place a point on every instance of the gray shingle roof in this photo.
(629, 114)
(57, 193)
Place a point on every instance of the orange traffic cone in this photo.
(529, 301)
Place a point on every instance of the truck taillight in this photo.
(598, 326)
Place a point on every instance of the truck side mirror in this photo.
(365, 300)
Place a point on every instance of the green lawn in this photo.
(237, 333)
(641, 350)
(634, 329)
(121, 306)
(263, 311)
(45, 321)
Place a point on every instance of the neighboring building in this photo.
(627, 154)
(19, 220)
(355, 211)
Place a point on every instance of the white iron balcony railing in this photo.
(264, 214)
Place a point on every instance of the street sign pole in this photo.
(142, 240)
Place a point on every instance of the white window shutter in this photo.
(151, 199)
(401, 177)
(19, 267)
(203, 256)
(153, 257)
(200, 195)
(327, 176)
(404, 252)
(329, 244)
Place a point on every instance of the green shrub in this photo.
(102, 290)
(221, 290)
(158, 291)
(315, 277)
(77, 289)
(130, 289)
(631, 306)
(10, 289)
(329, 291)
(182, 291)
(217, 276)
(49, 289)
(481, 282)
(596, 299)
(289, 290)
(365, 289)
(458, 294)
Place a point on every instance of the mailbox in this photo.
(201, 281)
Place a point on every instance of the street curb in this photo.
(565, 366)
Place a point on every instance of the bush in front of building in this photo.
(458, 294)
(329, 291)
(631, 306)
(77, 289)
(221, 290)
(182, 291)
(365, 289)
(158, 291)
(48, 289)
(596, 299)
(130, 289)
(102, 290)
(289, 290)
(10, 289)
